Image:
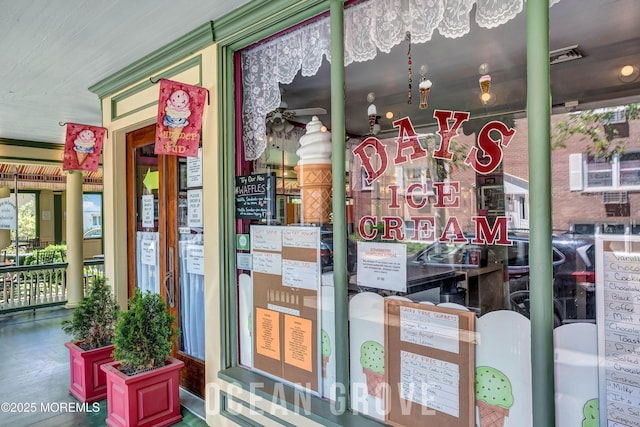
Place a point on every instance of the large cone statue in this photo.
(314, 173)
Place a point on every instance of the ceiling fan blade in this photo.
(308, 111)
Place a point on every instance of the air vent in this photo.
(615, 197)
(565, 54)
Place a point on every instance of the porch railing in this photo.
(42, 285)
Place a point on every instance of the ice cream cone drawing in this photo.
(494, 396)
(176, 113)
(84, 145)
(591, 412)
(372, 361)
(326, 352)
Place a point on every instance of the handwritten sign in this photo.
(300, 274)
(256, 196)
(429, 328)
(618, 270)
(430, 382)
(267, 263)
(429, 363)
(266, 238)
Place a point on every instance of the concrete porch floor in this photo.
(34, 374)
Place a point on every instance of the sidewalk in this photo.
(34, 375)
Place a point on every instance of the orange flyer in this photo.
(298, 342)
(268, 333)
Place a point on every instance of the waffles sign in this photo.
(483, 159)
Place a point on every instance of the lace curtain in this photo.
(369, 26)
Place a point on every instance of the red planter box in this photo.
(148, 399)
(88, 381)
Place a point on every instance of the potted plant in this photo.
(92, 326)
(143, 382)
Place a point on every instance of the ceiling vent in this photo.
(565, 54)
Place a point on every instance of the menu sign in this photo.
(256, 196)
(286, 281)
(618, 319)
(429, 361)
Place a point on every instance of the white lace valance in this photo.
(370, 26)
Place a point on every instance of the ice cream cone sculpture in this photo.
(372, 361)
(176, 113)
(314, 173)
(84, 145)
(494, 397)
(425, 88)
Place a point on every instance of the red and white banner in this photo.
(179, 121)
(82, 147)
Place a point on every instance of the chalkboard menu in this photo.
(256, 196)
(618, 318)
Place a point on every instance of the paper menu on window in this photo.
(194, 205)
(618, 320)
(194, 170)
(430, 382)
(429, 328)
(147, 211)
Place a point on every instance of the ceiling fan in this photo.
(282, 119)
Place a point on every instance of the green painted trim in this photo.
(30, 160)
(157, 60)
(37, 199)
(57, 218)
(540, 223)
(32, 144)
(321, 411)
(226, 177)
(338, 133)
(257, 20)
(196, 61)
(241, 419)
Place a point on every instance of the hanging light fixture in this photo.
(424, 86)
(372, 111)
(486, 96)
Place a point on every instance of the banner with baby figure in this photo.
(82, 147)
(179, 121)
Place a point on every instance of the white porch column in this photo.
(75, 276)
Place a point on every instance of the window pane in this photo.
(92, 215)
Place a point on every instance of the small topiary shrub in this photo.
(144, 334)
(94, 318)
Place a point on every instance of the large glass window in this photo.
(438, 198)
(92, 215)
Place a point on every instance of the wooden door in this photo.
(165, 244)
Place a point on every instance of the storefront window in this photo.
(437, 213)
(594, 183)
